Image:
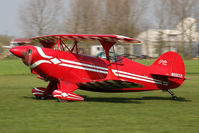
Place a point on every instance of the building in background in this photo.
(14, 43)
(18, 42)
(97, 49)
(171, 40)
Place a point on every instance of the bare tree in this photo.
(40, 17)
(104, 16)
(182, 9)
(162, 15)
(191, 28)
(170, 12)
(82, 17)
(122, 16)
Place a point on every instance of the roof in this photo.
(175, 35)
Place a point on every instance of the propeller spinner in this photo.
(24, 53)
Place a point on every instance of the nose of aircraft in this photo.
(17, 51)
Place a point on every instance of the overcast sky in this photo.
(8, 17)
(9, 22)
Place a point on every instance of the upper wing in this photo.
(110, 85)
(50, 40)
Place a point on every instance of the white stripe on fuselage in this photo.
(83, 64)
(40, 51)
(83, 68)
(37, 63)
(93, 68)
(116, 72)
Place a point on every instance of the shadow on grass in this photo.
(97, 99)
(132, 100)
(123, 100)
(34, 98)
(111, 100)
(179, 99)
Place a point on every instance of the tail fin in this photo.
(169, 66)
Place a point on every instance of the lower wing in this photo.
(107, 85)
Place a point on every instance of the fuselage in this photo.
(68, 71)
(75, 68)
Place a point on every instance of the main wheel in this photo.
(61, 100)
(40, 98)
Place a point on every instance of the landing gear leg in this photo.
(172, 94)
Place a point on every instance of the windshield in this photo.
(114, 57)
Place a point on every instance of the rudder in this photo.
(169, 65)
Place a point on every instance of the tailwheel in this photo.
(172, 94)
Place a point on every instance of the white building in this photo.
(184, 32)
(96, 49)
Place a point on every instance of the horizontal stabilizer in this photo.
(169, 64)
(169, 67)
(167, 76)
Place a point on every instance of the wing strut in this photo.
(75, 47)
(107, 45)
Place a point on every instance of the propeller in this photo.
(27, 57)
(23, 52)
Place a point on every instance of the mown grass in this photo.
(151, 112)
(13, 67)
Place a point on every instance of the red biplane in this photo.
(67, 70)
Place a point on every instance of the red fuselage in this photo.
(68, 71)
(55, 65)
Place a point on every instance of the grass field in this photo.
(144, 112)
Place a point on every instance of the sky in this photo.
(8, 17)
(9, 21)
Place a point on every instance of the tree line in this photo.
(168, 14)
(124, 17)
(41, 17)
